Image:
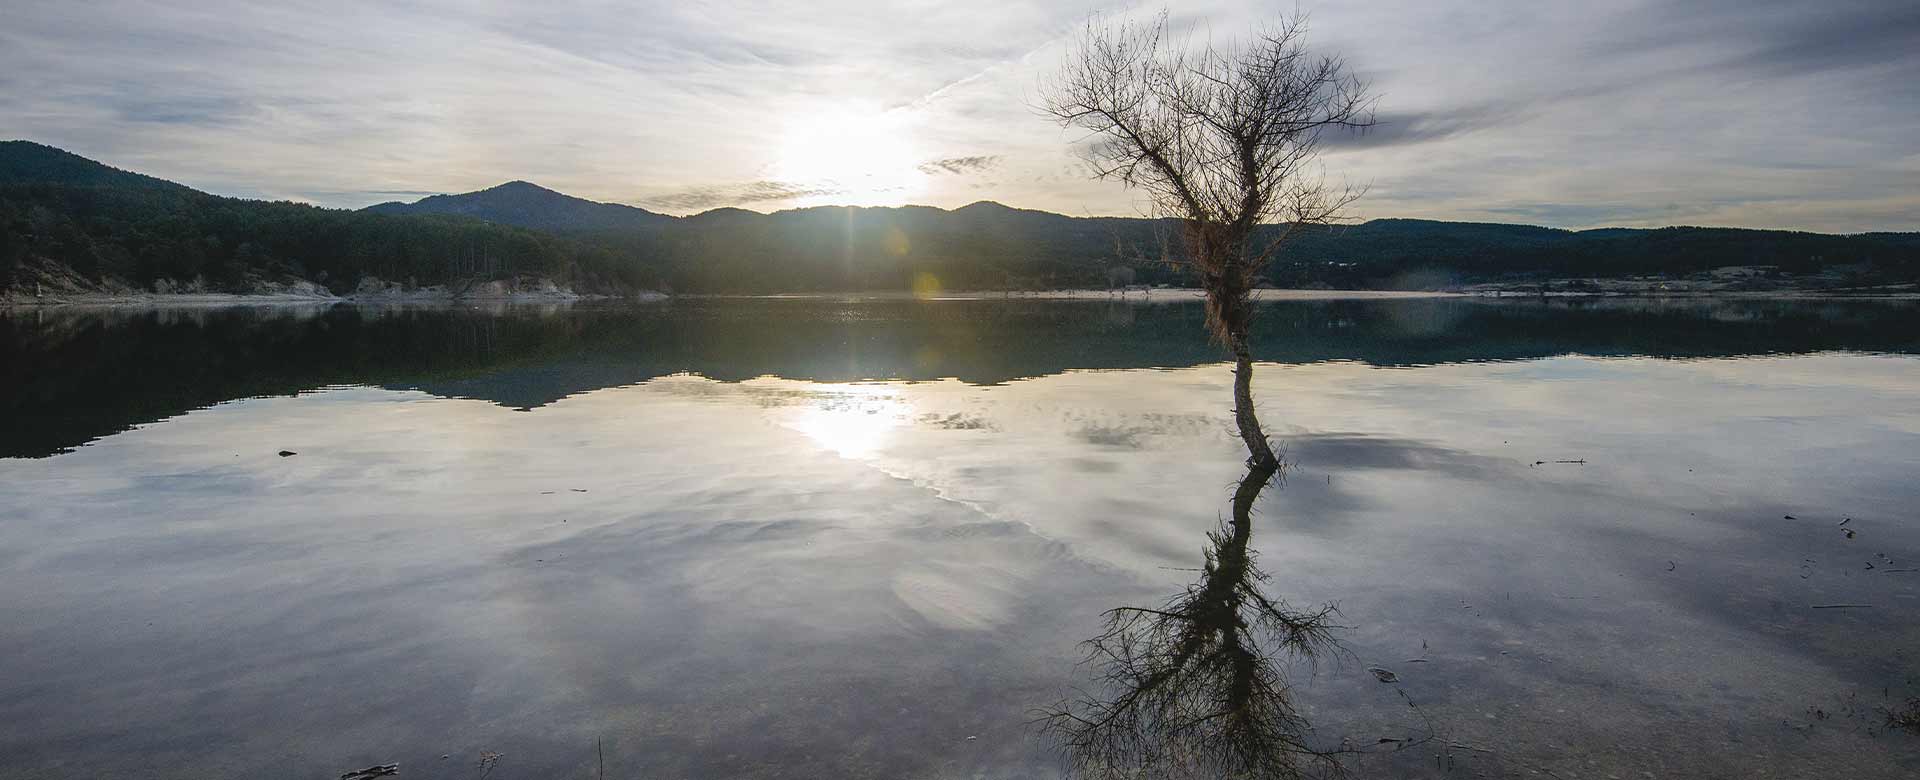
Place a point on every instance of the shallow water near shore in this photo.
(863, 538)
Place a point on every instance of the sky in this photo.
(1747, 113)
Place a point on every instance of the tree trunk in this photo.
(1259, 452)
(1243, 497)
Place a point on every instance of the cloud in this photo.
(368, 195)
(708, 197)
(1765, 113)
(1412, 128)
(185, 110)
(960, 165)
(1640, 113)
(1784, 37)
(1586, 213)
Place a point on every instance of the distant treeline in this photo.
(980, 247)
(141, 236)
(63, 212)
(989, 246)
(1395, 253)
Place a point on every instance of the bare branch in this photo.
(1224, 139)
(1221, 138)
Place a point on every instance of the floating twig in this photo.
(1843, 606)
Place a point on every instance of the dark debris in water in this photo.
(1906, 718)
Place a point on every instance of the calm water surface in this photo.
(825, 538)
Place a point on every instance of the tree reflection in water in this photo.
(1198, 687)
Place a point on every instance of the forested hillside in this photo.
(531, 206)
(110, 227)
(113, 227)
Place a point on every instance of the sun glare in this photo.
(860, 155)
(853, 420)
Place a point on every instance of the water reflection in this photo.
(1198, 686)
(68, 377)
(735, 575)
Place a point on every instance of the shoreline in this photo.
(1159, 295)
(226, 300)
(1703, 295)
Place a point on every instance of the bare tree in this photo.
(1226, 140)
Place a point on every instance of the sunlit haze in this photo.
(1761, 114)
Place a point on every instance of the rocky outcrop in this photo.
(375, 289)
(42, 282)
(522, 288)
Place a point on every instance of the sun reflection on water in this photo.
(854, 421)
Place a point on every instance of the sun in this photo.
(855, 154)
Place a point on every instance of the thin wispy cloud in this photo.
(1763, 113)
(961, 165)
(708, 197)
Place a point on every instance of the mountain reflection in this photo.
(68, 377)
(1197, 687)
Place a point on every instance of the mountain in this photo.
(72, 225)
(63, 217)
(528, 205)
(26, 162)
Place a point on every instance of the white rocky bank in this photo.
(518, 289)
(68, 292)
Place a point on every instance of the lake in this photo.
(867, 538)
